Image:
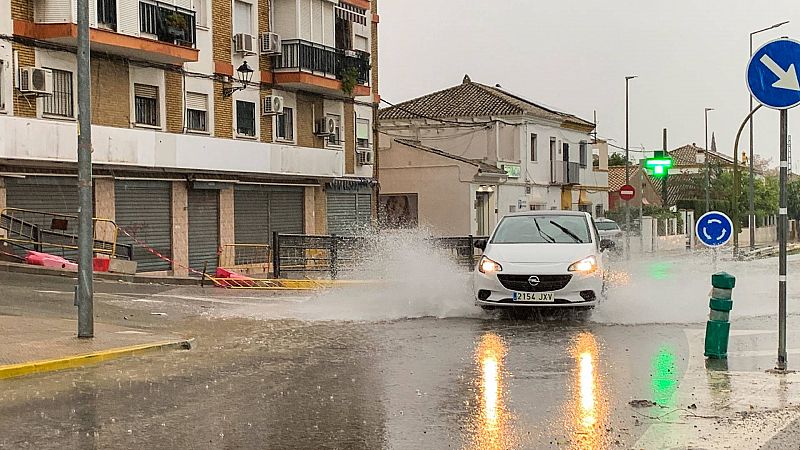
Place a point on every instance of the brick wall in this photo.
(104, 207)
(222, 28)
(349, 138)
(111, 95)
(22, 10)
(227, 234)
(320, 210)
(180, 228)
(374, 49)
(173, 83)
(2, 200)
(25, 106)
(223, 113)
(309, 108)
(264, 62)
(266, 121)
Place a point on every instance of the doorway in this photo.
(482, 213)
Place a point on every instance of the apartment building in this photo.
(215, 122)
(459, 159)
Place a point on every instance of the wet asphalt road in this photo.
(484, 382)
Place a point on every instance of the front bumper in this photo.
(581, 290)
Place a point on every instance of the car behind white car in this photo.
(541, 259)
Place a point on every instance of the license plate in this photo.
(533, 297)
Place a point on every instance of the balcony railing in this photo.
(168, 23)
(311, 57)
(107, 14)
(562, 172)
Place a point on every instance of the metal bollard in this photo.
(718, 327)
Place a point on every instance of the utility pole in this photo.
(708, 178)
(85, 291)
(782, 226)
(664, 190)
(627, 174)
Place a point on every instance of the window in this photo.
(583, 154)
(245, 118)
(145, 98)
(598, 212)
(2, 86)
(284, 128)
(533, 147)
(201, 15)
(61, 102)
(336, 139)
(565, 147)
(552, 149)
(242, 17)
(196, 111)
(362, 133)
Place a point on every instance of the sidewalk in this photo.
(31, 345)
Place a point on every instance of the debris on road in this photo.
(642, 403)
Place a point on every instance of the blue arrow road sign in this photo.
(772, 74)
(714, 229)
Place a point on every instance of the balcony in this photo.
(565, 173)
(55, 142)
(143, 30)
(316, 67)
(167, 23)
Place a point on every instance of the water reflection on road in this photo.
(492, 423)
(587, 415)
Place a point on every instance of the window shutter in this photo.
(242, 18)
(145, 91)
(362, 129)
(196, 101)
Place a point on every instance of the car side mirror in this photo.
(606, 244)
(481, 244)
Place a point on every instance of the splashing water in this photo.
(676, 289)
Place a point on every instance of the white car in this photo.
(541, 259)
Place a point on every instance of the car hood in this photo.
(539, 253)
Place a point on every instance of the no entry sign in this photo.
(627, 192)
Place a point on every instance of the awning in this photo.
(583, 198)
(351, 13)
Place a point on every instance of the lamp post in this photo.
(628, 174)
(245, 76)
(708, 194)
(751, 221)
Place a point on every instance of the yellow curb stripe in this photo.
(51, 365)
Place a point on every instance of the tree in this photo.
(616, 159)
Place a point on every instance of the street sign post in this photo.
(772, 79)
(627, 192)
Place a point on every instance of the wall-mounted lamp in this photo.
(245, 74)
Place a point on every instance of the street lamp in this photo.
(245, 76)
(628, 174)
(751, 221)
(708, 196)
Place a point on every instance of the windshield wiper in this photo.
(546, 236)
(568, 233)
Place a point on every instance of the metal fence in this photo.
(300, 255)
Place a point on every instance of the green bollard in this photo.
(718, 327)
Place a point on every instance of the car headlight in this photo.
(586, 265)
(488, 266)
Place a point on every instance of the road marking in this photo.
(55, 292)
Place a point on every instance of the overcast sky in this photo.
(574, 56)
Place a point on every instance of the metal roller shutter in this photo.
(203, 229)
(144, 209)
(349, 213)
(57, 195)
(286, 210)
(251, 215)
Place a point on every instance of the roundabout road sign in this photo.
(714, 229)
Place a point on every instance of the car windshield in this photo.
(607, 226)
(542, 229)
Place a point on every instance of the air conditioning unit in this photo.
(270, 44)
(244, 43)
(351, 53)
(322, 129)
(33, 80)
(273, 105)
(365, 157)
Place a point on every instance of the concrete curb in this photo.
(86, 359)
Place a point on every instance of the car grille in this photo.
(547, 283)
